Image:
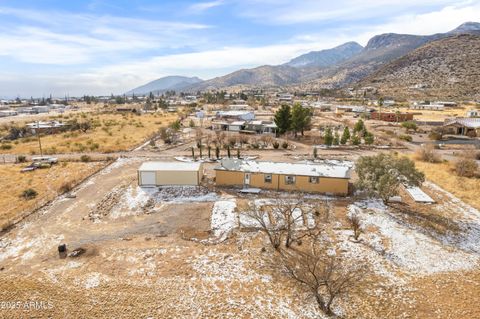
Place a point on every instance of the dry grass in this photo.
(430, 115)
(443, 175)
(112, 132)
(47, 182)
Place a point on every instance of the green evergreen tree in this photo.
(283, 119)
(301, 119)
(328, 138)
(345, 136)
(369, 138)
(359, 126)
(356, 140)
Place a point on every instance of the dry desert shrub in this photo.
(466, 167)
(427, 153)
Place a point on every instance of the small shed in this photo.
(170, 173)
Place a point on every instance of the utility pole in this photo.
(38, 136)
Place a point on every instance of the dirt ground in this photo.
(112, 132)
(46, 182)
(182, 252)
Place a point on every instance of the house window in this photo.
(313, 179)
(267, 178)
(289, 179)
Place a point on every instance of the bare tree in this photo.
(284, 220)
(356, 224)
(266, 140)
(260, 219)
(325, 275)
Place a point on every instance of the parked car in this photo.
(42, 164)
(28, 169)
(45, 159)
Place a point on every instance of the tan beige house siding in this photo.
(228, 178)
(302, 183)
(175, 177)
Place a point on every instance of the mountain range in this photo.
(350, 64)
(174, 82)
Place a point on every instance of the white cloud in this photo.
(203, 6)
(304, 11)
(440, 21)
(66, 38)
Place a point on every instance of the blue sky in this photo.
(106, 46)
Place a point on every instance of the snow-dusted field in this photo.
(404, 246)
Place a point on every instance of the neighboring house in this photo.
(315, 178)
(41, 127)
(462, 126)
(344, 109)
(256, 126)
(152, 174)
(236, 126)
(473, 113)
(446, 103)
(432, 107)
(261, 127)
(285, 97)
(389, 102)
(5, 113)
(391, 117)
(41, 109)
(235, 115)
(135, 108)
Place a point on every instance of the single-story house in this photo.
(391, 117)
(473, 113)
(261, 127)
(315, 178)
(236, 126)
(170, 173)
(50, 127)
(446, 103)
(236, 115)
(433, 107)
(463, 126)
(251, 127)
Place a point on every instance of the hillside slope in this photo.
(445, 68)
(173, 82)
(326, 58)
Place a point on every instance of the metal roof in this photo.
(310, 169)
(464, 121)
(170, 166)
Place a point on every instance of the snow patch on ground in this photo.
(465, 216)
(223, 219)
(132, 201)
(26, 247)
(184, 194)
(93, 280)
(406, 247)
(216, 266)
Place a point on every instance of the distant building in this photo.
(462, 126)
(431, 107)
(446, 103)
(236, 115)
(473, 113)
(391, 117)
(41, 127)
(285, 97)
(6, 113)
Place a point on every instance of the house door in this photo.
(247, 179)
